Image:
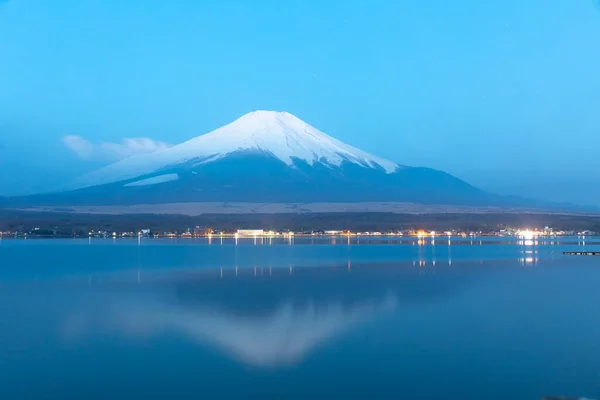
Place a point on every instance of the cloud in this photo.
(80, 146)
(129, 147)
(106, 151)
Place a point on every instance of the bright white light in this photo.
(527, 234)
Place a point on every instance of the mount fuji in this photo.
(269, 157)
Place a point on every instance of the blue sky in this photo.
(502, 93)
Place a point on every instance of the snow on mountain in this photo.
(280, 134)
(154, 180)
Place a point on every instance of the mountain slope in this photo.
(266, 156)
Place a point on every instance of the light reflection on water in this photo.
(282, 337)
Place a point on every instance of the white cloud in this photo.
(106, 151)
(80, 146)
(128, 147)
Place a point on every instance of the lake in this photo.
(475, 318)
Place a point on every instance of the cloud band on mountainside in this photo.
(106, 151)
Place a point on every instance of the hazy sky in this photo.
(502, 93)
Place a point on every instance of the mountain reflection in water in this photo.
(261, 317)
(365, 329)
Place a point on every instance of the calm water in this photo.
(373, 318)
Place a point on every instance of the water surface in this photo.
(374, 318)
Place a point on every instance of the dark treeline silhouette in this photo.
(70, 223)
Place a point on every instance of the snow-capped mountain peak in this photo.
(286, 137)
(279, 134)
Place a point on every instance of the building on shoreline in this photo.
(250, 232)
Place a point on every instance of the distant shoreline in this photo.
(199, 208)
(383, 239)
(70, 224)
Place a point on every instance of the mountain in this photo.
(266, 156)
(278, 135)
